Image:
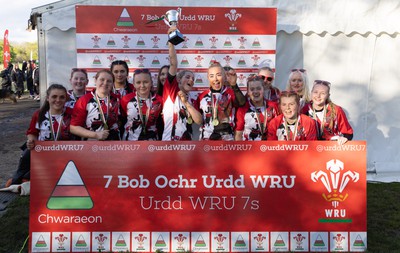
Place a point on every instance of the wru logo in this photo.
(335, 181)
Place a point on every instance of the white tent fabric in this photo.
(343, 16)
(316, 16)
(353, 44)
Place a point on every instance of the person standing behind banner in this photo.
(6, 84)
(50, 123)
(331, 120)
(6, 79)
(178, 111)
(29, 79)
(218, 103)
(36, 82)
(141, 108)
(271, 93)
(78, 80)
(298, 82)
(291, 125)
(18, 78)
(120, 71)
(162, 76)
(24, 68)
(95, 115)
(253, 118)
(122, 87)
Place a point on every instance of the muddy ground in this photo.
(14, 121)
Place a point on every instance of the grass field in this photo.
(14, 226)
(383, 220)
(383, 212)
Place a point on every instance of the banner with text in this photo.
(198, 196)
(243, 38)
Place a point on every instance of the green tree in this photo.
(1, 50)
(21, 51)
(12, 53)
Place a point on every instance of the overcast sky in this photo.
(14, 15)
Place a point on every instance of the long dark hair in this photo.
(46, 105)
(119, 62)
(126, 67)
(160, 86)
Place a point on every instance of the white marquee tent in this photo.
(353, 44)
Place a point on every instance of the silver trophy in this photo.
(171, 19)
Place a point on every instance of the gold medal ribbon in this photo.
(214, 105)
(295, 129)
(315, 117)
(262, 126)
(103, 117)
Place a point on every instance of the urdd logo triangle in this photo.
(200, 242)
(359, 242)
(125, 19)
(70, 191)
(40, 243)
(160, 242)
(120, 242)
(319, 242)
(81, 241)
(279, 241)
(240, 242)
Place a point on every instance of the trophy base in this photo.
(176, 37)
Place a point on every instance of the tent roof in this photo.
(305, 16)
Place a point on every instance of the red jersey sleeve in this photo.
(273, 127)
(79, 112)
(232, 96)
(344, 126)
(240, 114)
(310, 126)
(275, 107)
(306, 108)
(124, 103)
(32, 126)
(199, 98)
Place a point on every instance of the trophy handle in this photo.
(179, 17)
(179, 10)
(166, 20)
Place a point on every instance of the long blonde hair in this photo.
(328, 101)
(306, 90)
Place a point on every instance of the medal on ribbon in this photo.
(103, 117)
(214, 105)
